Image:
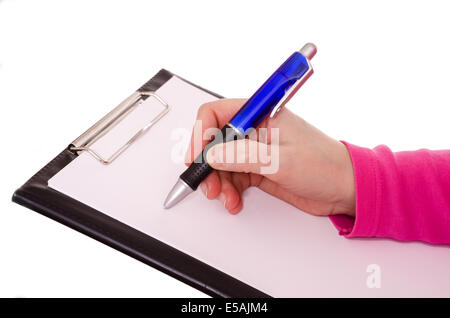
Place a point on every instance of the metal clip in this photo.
(291, 91)
(308, 51)
(104, 125)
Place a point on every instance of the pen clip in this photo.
(292, 90)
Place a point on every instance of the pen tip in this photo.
(308, 50)
(179, 191)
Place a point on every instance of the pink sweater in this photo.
(403, 195)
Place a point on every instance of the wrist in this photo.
(346, 204)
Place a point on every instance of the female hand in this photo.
(314, 172)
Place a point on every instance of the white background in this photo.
(381, 76)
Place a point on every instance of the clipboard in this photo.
(270, 248)
(36, 195)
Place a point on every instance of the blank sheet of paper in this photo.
(269, 245)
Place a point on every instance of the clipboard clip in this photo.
(104, 125)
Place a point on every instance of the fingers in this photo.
(211, 186)
(229, 196)
(227, 188)
(210, 115)
(222, 185)
(245, 155)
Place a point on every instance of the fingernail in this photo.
(223, 199)
(204, 188)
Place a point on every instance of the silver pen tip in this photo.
(179, 191)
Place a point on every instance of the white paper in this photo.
(269, 245)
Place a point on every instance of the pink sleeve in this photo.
(403, 195)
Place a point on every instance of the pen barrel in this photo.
(199, 168)
(264, 100)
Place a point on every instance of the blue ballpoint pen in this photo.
(267, 100)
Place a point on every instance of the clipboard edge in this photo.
(37, 196)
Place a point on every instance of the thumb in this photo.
(244, 155)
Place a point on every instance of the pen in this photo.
(267, 101)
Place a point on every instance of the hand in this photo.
(314, 174)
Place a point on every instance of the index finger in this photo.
(211, 115)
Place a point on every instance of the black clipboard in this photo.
(36, 195)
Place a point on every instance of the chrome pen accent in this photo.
(236, 130)
(179, 191)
